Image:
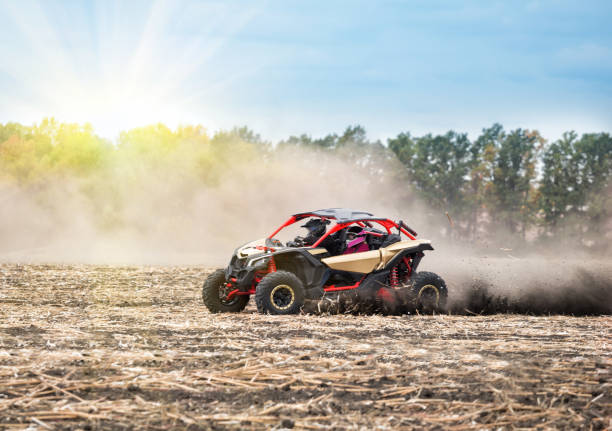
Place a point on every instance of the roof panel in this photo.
(339, 214)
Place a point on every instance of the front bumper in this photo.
(241, 275)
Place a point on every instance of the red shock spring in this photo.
(394, 278)
(271, 265)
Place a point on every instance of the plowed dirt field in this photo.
(95, 347)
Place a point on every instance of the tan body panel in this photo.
(363, 262)
(317, 251)
(390, 251)
(368, 261)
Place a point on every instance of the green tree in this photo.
(559, 194)
(594, 160)
(483, 153)
(438, 167)
(354, 136)
(575, 190)
(512, 192)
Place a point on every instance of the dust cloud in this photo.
(168, 215)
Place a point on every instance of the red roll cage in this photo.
(386, 223)
(344, 223)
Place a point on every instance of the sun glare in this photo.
(116, 73)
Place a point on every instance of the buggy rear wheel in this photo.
(215, 292)
(429, 291)
(279, 292)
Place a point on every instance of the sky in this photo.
(290, 67)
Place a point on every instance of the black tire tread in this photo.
(210, 295)
(272, 280)
(425, 277)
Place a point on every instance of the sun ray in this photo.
(133, 68)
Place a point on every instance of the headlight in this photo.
(261, 260)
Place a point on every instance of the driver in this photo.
(316, 229)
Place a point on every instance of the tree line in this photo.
(512, 181)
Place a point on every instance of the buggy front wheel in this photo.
(215, 292)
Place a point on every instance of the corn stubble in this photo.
(133, 347)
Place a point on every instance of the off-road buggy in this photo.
(374, 258)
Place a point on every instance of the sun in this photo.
(116, 65)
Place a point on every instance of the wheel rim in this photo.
(429, 296)
(224, 290)
(282, 296)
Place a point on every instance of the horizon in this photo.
(212, 132)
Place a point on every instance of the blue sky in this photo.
(290, 67)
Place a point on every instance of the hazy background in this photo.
(185, 195)
(118, 137)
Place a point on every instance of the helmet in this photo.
(316, 226)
